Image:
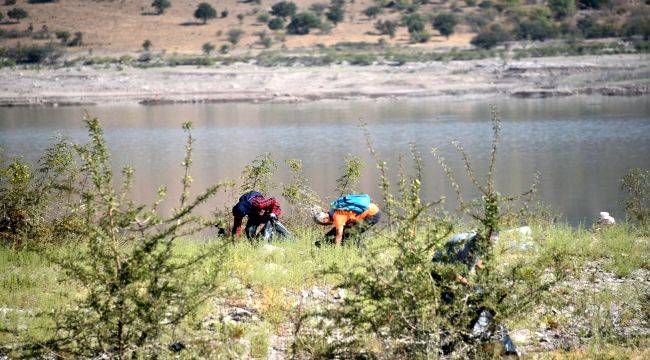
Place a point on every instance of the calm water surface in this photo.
(580, 145)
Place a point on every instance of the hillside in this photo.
(113, 26)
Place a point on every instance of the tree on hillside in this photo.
(302, 22)
(284, 9)
(276, 23)
(204, 12)
(445, 23)
(146, 45)
(17, 14)
(592, 4)
(161, 5)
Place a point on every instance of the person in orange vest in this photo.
(349, 214)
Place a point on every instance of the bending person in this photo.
(259, 210)
(349, 215)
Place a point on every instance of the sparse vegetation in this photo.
(207, 48)
(234, 35)
(276, 23)
(386, 27)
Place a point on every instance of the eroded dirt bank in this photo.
(540, 77)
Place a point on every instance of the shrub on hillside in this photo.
(302, 23)
(9, 2)
(276, 23)
(335, 14)
(592, 4)
(77, 40)
(207, 48)
(386, 27)
(638, 25)
(161, 6)
(414, 23)
(41, 1)
(284, 9)
(31, 54)
(63, 36)
(590, 28)
(536, 29)
(445, 23)
(204, 12)
(234, 35)
(263, 18)
(372, 11)
(562, 8)
(17, 14)
(490, 37)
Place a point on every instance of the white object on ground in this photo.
(605, 219)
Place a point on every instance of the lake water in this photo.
(581, 146)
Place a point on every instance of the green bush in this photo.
(161, 6)
(28, 197)
(386, 27)
(31, 54)
(77, 40)
(562, 8)
(445, 23)
(263, 18)
(204, 12)
(490, 37)
(133, 290)
(638, 25)
(591, 29)
(234, 35)
(17, 14)
(302, 23)
(63, 36)
(335, 14)
(284, 9)
(636, 185)
(536, 29)
(372, 11)
(399, 303)
(420, 36)
(276, 23)
(486, 4)
(207, 48)
(9, 2)
(414, 23)
(592, 4)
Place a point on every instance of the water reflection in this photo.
(580, 145)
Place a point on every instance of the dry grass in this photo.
(112, 26)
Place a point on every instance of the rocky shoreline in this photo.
(612, 75)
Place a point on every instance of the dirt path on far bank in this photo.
(540, 77)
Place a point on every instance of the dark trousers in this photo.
(271, 226)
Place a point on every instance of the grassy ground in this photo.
(608, 270)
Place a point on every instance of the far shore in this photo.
(620, 75)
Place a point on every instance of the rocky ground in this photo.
(540, 77)
(593, 301)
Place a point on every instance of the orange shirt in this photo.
(342, 217)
